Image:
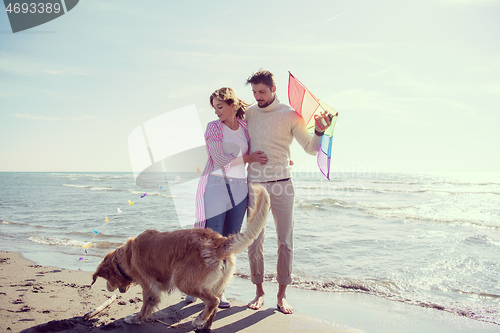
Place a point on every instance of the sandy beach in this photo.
(37, 299)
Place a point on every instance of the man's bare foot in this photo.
(284, 307)
(257, 303)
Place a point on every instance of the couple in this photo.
(263, 141)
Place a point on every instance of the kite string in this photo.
(106, 221)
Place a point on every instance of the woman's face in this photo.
(223, 111)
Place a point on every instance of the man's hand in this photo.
(322, 122)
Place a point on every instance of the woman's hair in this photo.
(228, 95)
(262, 76)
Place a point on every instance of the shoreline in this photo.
(39, 298)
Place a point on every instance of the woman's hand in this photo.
(257, 157)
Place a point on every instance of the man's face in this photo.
(263, 94)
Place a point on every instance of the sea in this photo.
(426, 240)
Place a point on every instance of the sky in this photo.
(416, 83)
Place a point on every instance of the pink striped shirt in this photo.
(216, 157)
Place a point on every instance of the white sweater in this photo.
(272, 130)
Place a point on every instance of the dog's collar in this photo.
(128, 278)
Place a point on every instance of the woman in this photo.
(222, 196)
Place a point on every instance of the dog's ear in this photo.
(100, 272)
(103, 268)
(127, 244)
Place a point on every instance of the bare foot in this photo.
(284, 307)
(257, 302)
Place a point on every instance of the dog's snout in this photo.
(110, 287)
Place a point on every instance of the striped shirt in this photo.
(216, 157)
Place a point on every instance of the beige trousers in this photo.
(282, 200)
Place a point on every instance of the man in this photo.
(272, 127)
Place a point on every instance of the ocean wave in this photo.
(151, 194)
(103, 178)
(77, 186)
(321, 204)
(328, 190)
(419, 191)
(404, 213)
(307, 206)
(394, 182)
(390, 291)
(106, 245)
(466, 183)
(104, 189)
(11, 223)
(38, 226)
(433, 183)
(336, 203)
(100, 234)
(93, 188)
(54, 241)
(142, 193)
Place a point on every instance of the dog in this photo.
(198, 262)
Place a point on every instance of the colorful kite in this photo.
(309, 107)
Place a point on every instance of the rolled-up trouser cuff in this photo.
(256, 279)
(284, 280)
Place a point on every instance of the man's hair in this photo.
(262, 76)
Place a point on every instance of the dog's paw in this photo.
(202, 330)
(199, 323)
(133, 319)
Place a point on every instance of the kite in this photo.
(309, 107)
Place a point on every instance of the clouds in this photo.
(458, 3)
(24, 65)
(35, 117)
(79, 118)
(407, 77)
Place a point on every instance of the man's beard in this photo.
(266, 104)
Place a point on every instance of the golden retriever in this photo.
(199, 262)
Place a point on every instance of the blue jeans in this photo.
(219, 211)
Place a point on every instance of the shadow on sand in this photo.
(172, 318)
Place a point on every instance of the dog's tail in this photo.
(257, 217)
